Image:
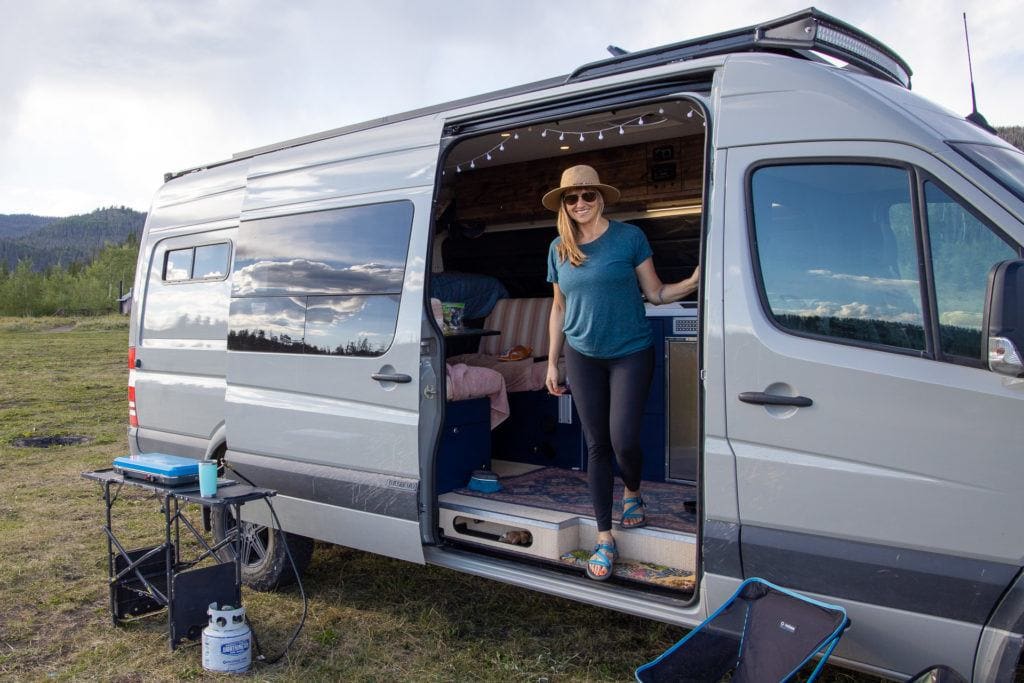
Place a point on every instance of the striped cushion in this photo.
(521, 322)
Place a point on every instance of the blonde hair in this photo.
(569, 248)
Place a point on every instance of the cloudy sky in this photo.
(98, 99)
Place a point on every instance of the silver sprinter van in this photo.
(840, 410)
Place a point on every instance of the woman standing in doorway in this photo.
(598, 269)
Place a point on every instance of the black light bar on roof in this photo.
(808, 30)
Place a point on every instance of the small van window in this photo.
(211, 261)
(207, 262)
(179, 265)
(837, 252)
(964, 249)
(325, 283)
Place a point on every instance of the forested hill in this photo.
(20, 224)
(1012, 134)
(62, 241)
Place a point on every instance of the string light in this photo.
(635, 122)
(489, 154)
(599, 132)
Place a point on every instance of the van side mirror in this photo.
(1004, 318)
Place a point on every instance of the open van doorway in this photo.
(510, 471)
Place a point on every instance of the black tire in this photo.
(265, 564)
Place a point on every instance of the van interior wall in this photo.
(651, 176)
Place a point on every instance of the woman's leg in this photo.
(629, 385)
(588, 379)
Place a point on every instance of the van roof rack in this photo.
(802, 33)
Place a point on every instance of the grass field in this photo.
(369, 618)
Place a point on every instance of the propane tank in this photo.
(227, 641)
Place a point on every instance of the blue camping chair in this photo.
(762, 633)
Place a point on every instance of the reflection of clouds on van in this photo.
(866, 279)
(338, 325)
(351, 325)
(186, 311)
(343, 251)
(969, 319)
(300, 276)
(279, 315)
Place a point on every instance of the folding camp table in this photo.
(145, 580)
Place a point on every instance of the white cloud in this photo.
(98, 100)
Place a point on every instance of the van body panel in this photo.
(199, 184)
(296, 411)
(762, 103)
(313, 426)
(379, 173)
(373, 143)
(142, 440)
(373, 533)
(884, 641)
(947, 124)
(204, 209)
(179, 340)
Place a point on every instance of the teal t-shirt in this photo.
(604, 312)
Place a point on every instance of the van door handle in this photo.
(396, 377)
(762, 399)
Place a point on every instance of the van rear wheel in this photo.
(265, 564)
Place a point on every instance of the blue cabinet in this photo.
(465, 442)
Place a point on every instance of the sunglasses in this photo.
(587, 195)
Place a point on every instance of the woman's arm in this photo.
(557, 337)
(658, 292)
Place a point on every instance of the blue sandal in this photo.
(634, 511)
(604, 555)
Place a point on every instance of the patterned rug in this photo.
(552, 488)
(639, 572)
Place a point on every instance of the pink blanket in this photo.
(520, 375)
(465, 382)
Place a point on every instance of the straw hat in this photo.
(579, 176)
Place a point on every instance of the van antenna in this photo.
(617, 51)
(975, 116)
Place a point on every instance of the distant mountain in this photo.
(65, 240)
(18, 224)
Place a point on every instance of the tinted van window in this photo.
(358, 250)
(211, 261)
(964, 249)
(326, 283)
(179, 265)
(837, 252)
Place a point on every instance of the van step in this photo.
(663, 557)
(636, 571)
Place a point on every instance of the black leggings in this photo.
(610, 394)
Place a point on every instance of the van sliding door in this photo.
(324, 339)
